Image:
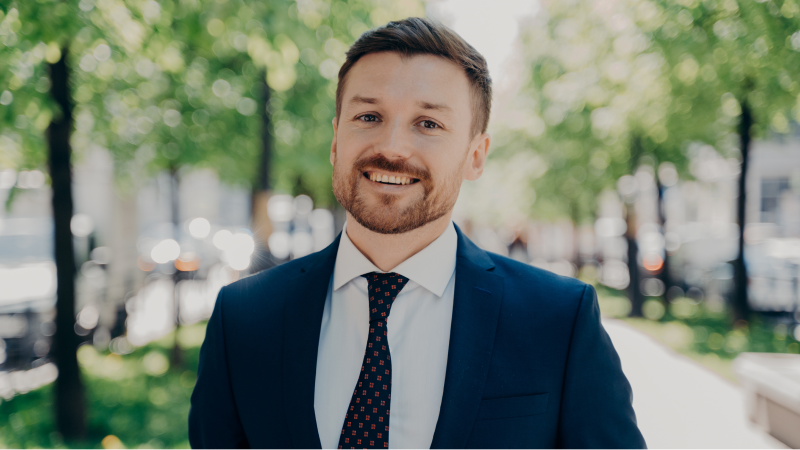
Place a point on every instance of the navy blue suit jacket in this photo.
(529, 364)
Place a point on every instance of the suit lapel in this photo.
(305, 301)
(476, 308)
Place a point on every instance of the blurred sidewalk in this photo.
(680, 404)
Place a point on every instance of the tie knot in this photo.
(383, 289)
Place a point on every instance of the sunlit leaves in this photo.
(746, 49)
(595, 82)
(279, 59)
(687, 70)
(171, 59)
(215, 27)
(116, 19)
(666, 73)
(177, 83)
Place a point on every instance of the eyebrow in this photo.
(424, 105)
(434, 106)
(360, 99)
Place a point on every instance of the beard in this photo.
(384, 214)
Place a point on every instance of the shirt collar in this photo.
(431, 267)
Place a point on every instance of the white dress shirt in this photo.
(418, 333)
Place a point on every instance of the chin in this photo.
(389, 212)
(387, 227)
(384, 218)
(393, 219)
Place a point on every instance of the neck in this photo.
(387, 251)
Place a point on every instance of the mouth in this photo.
(386, 178)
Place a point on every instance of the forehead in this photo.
(391, 77)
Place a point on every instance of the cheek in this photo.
(448, 147)
(446, 171)
(350, 145)
(433, 145)
(344, 149)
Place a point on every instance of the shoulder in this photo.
(527, 287)
(272, 278)
(263, 292)
(535, 277)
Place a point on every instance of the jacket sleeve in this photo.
(213, 417)
(596, 400)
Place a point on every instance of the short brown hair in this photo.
(417, 36)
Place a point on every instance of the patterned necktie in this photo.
(366, 424)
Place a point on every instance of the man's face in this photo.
(402, 144)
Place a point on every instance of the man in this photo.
(403, 333)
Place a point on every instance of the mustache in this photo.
(380, 162)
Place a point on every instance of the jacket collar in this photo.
(304, 303)
(431, 268)
(476, 308)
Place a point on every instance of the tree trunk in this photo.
(741, 306)
(634, 290)
(177, 351)
(262, 227)
(662, 218)
(69, 402)
(264, 182)
(576, 251)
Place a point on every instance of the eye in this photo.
(368, 118)
(429, 124)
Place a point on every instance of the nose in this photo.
(394, 142)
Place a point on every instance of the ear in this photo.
(333, 142)
(476, 158)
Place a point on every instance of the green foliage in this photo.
(136, 397)
(25, 107)
(596, 99)
(177, 83)
(722, 54)
(610, 83)
(169, 85)
(702, 331)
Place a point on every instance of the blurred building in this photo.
(773, 231)
(685, 225)
(111, 226)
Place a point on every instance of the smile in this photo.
(389, 179)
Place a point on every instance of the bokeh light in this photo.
(222, 239)
(165, 251)
(199, 228)
(82, 225)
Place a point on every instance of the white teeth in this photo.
(389, 179)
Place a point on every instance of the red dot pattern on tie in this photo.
(366, 424)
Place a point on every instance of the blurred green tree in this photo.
(599, 98)
(240, 86)
(732, 67)
(614, 82)
(38, 103)
(37, 115)
(215, 81)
